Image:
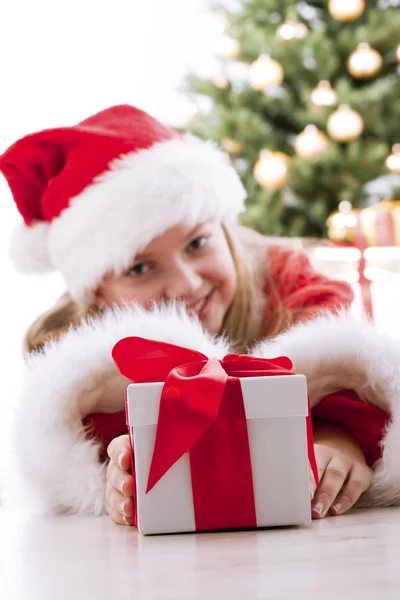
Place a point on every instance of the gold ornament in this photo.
(323, 94)
(342, 223)
(345, 206)
(290, 30)
(220, 22)
(188, 109)
(271, 170)
(345, 124)
(231, 146)
(346, 10)
(393, 160)
(265, 72)
(364, 62)
(311, 142)
(221, 81)
(227, 47)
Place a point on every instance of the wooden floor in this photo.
(71, 558)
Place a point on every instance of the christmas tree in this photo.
(306, 102)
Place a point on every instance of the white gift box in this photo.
(276, 409)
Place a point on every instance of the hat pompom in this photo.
(29, 248)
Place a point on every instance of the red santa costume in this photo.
(92, 196)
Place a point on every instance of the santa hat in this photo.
(93, 195)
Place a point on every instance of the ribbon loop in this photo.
(144, 361)
(189, 405)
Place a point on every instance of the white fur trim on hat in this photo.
(29, 248)
(144, 193)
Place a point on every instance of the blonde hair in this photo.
(52, 324)
(241, 323)
(244, 318)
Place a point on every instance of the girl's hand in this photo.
(343, 473)
(119, 489)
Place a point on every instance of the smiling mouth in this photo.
(205, 308)
(200, 308)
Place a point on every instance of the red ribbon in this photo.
(365, 284)
(385, 235)
(385, 228)
(202, 412)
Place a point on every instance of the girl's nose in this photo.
(184, 284)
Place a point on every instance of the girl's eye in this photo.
(139, 270)
(198, 243)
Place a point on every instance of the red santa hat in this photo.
(93, 195)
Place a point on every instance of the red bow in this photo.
(202, 412)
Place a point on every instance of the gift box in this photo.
(216, 444)
(376, 225)
(374, 274)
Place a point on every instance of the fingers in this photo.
(119, 519)
(359, 481)
(119, 507)
(341, 486)
(120, 484)
(119, 451)
(311, 482)
(331, 483)
(120, 480)
(323, 456)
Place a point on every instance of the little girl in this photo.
(135, 217)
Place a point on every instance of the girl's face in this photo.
(191, 265)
